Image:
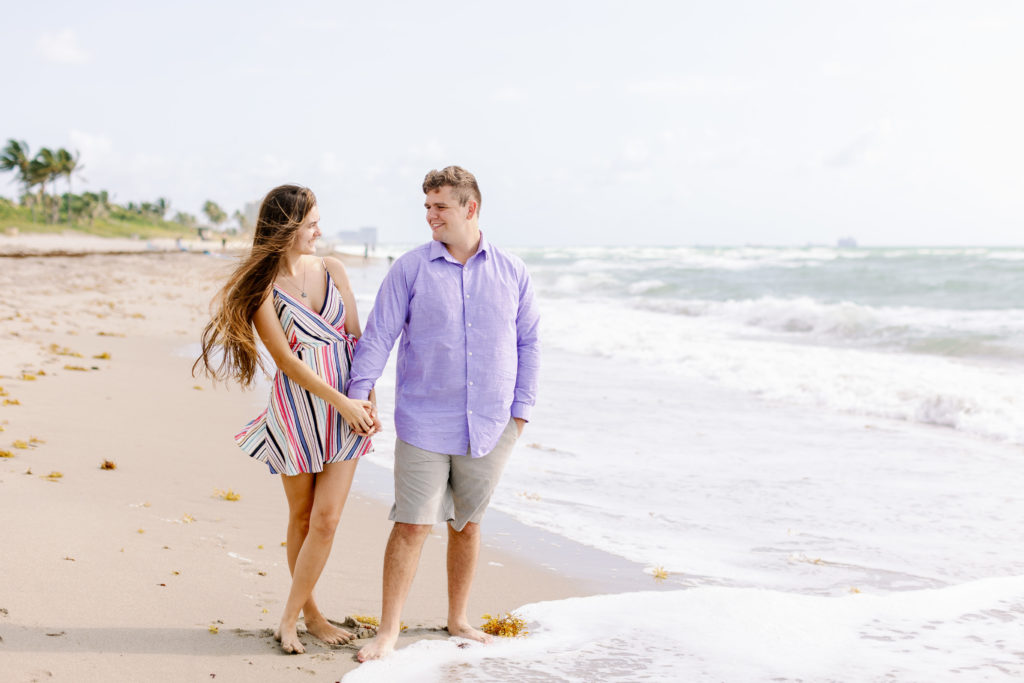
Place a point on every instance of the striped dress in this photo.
(300, 432)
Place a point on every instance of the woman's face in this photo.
(307, 234)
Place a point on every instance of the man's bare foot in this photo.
(468, 632)
(289, 639)
(381, 646)
(328, 632)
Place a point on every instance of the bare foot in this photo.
(289, 639)
(381, 646)
(328, 632)
(468, 632)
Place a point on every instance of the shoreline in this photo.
(79, 245)
(594, 570)
(144, 571)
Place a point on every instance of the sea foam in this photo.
(965, 632)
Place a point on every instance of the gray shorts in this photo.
(435, 487)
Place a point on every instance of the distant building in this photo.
(363, 236)
(846, 242)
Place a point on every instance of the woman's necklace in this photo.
(302, 290)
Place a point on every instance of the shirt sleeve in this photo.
(384, 324)
(528, 345)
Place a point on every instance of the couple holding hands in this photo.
(468, 363)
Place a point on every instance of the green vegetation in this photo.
(37, 210)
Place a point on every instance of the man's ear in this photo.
(472, 209)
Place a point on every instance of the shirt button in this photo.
(471, 412)
(469, 324)
(470, 384)
(467, 296)
(469, 353)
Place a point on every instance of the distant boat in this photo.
(846, 242)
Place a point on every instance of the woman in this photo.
(303, 309)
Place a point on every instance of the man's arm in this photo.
(383, 326)
(528, 347)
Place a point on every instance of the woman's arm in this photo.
(340, 277)
(355, 413)
(352, 326)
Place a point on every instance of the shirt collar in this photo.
(438, 250)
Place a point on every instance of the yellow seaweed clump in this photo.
(54, 475)
(509, 626)
(660, 573)
(227, 495)
(6, 454)
(108, 465)
(63, 351)
(102, 356)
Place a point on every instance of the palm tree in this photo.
(96, 205)
(243, 222)
(162, 206)
(16, 157)
(186, 219)
(46, 167)
(214, 212)
(68, 166)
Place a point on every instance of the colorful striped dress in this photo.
(300, 432)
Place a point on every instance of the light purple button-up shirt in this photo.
(469, 355)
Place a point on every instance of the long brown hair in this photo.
(230, 328)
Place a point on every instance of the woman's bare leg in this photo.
(299, 491)
(313, 537)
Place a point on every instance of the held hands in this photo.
(377, 426)
(361, 416)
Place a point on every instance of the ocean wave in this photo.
(985, 333)
(974, 394)
(648, 286)
(713, 633)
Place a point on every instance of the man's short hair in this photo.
(462, 182)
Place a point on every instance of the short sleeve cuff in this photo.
(521, 410)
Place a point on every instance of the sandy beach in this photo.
(821, 508)
(148, 571)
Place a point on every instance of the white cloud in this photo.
(428, 152)
(61, 48)
(329, 164)
(509, 93)
(271, 167)
(96, 153)
(688, 86)
(865, 148)
(635, 151)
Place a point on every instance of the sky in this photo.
(586, 123)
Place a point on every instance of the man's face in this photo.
(448, 221)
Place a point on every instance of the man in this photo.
(466, 380)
